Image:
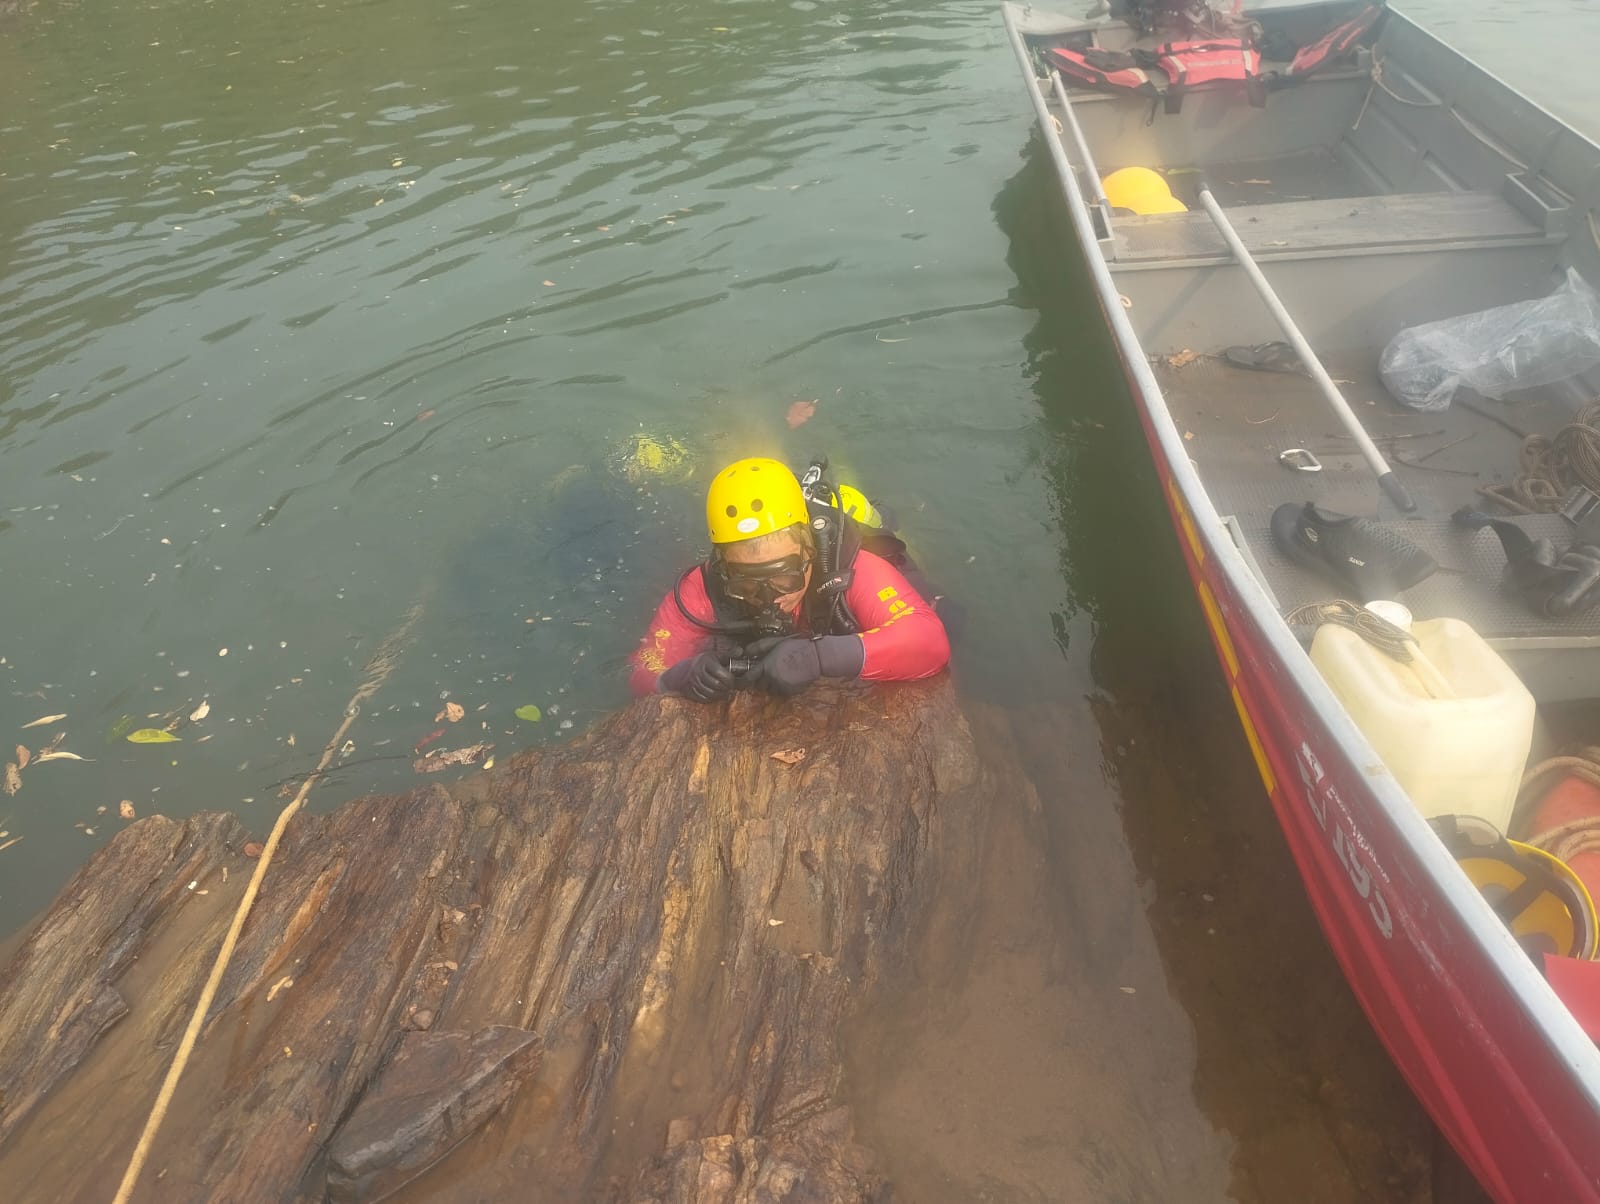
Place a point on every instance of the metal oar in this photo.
(1347, 417)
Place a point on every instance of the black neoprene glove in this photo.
(702, 677)
(788, 664)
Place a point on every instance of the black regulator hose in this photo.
(826, 529)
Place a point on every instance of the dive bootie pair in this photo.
(1363, 555)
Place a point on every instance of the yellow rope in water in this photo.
(378, 670)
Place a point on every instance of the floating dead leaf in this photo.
(453, 711)
(428, 739)
(1182, 359)
(771, 923)
(252, 849)
(9, 843)
(43, 721)
(425, 415)
(549, 284)
(1188, 435)
(200, 712)
(283, 984)
(13, 781)
(800, 413)
(23, 757)
(57, 754)
(790, 756)
(125, 809)
(436, 761)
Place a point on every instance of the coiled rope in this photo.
(1551, 465)
(377, 672)
(1581, 835)
(1394, 642)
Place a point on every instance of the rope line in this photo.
(1552, 465)
(377, 670)
(1581, 835)
(1394, 642)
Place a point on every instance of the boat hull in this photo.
(1493, 1056)
(1508, 1103)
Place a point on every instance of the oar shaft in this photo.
(1390, 483)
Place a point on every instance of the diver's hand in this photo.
(702, 677)
(788, 664)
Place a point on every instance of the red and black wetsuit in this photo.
(901, 636)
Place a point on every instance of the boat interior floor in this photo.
(1236, 421)
(1315, 174)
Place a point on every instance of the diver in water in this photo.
(791, 592)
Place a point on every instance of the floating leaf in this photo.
(125, 809)
(23, 757)
(800, 413)
(530, 712)
(120, 728)
(13, 781)
(200, 712)
(453, 711)
(43, 721)
(151, 735)
(427, 740)
(58, 754)
(790, 756)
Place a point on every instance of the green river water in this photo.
(311, 313)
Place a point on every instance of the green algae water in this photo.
(313, 313)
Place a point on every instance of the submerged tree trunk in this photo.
(616, 969)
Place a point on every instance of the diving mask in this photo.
(762, 583)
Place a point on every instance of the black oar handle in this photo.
(1398, 493)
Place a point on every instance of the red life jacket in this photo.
(1226, 60)
(1103, 69)
(1337, 41)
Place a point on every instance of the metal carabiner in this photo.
(1300, 459)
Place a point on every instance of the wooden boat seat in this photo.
(1349, 225)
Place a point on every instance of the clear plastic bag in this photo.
(1496, 351)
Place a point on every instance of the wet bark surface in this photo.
(616, 969)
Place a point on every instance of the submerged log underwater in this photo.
(613, 969)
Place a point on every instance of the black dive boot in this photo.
(1366, 556)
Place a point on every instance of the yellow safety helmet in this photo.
(753, 497)
(854, 503)
(1536, 894)
(1138, 189)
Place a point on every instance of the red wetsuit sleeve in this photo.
(902, 636)
(671, 637)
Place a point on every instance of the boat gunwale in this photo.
(1556, 1025)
